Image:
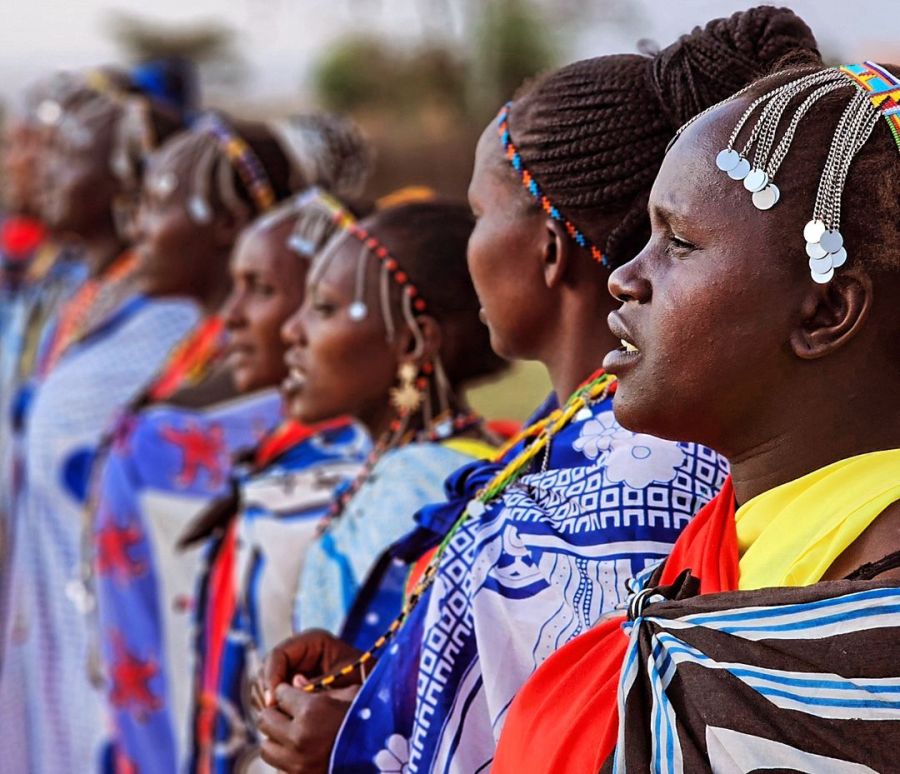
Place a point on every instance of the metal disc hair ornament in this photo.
(875, 93)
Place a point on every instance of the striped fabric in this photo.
(801, 679)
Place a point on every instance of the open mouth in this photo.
(628, 348)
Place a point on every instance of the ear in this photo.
(556, 253)
(832, 314)
(418, 350)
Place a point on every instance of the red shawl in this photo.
(565, 718)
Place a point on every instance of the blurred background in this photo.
(422, 77)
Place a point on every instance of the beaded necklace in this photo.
(594, 390)
(90, 303)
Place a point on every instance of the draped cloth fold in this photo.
(566, 718)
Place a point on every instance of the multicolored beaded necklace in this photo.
(594, 390)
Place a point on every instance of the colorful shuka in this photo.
(246, 594)
(788, 536)
(799, 679)
(404, 480)
(165, 465)
(532, 569)
(52, 717)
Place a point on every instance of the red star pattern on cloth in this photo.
(125, 765)
(202, 448)
(114, 545)
(130, 680)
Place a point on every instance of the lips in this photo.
(296, 378)
(619, 360)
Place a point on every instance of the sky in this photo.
(278, 40)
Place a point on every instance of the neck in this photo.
(101, 249)
(579, 346)
(853, 424)
(213, 297)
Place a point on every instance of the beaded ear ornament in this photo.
(532, 186)
(875, 93)
(228, 153)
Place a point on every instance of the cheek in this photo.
(265, 322)
(350, 363)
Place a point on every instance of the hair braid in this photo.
(594, 133)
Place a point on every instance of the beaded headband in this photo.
(241, 158)
(876, 93)
(531, 185)
(413, 304)
(319, 216)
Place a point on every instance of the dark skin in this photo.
(515, 252)
(78, 188)
(758, 388)
(339, 366)
(177, 255)
(268, 282)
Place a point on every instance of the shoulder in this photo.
(422, 460)
(880, 539)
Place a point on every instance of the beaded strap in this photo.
(883, 90)
(595, 389)
(531, 185)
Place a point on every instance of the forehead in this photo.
(265, 249)
(690, 185)
(174, 155)
(336, 263)
(493, 179)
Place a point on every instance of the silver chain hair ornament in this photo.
(875, 93)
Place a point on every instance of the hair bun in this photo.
(714, 61)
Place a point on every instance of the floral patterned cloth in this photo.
(535, 570)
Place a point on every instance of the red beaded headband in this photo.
(386, 260)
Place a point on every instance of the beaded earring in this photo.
(874, 93)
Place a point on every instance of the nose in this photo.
(293, 331)
(629, 282)
(233, 310)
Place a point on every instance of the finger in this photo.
(299, 681)
(273, 724)
(292, 701)
(278, 756)
(275, 671)
(257, 700)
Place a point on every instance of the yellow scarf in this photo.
(790, 535)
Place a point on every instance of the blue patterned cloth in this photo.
(536, 569)
(51, 717)
(165, 465)
(281, 506)
(382, 511)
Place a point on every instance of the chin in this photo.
(635, 412)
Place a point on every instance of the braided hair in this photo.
(429, 240)
(594, 133)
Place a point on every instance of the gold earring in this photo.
(406, 397)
